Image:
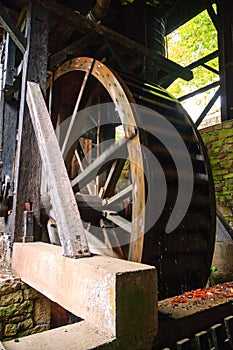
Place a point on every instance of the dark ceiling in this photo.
(181, 12)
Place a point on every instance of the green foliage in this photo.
(192, 41)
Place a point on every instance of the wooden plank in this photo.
(9, 63)
(71, 49)
(202, 341)
(229, 328)
(9, 138)
(9, 25)
(219, 337)
(27, 176)
(84, 25)
(69, 224)
(183, 344)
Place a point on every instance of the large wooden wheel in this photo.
(130, 167)
(95, 124)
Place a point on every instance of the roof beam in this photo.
(84, 25)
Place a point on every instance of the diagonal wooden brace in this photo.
(69, 224)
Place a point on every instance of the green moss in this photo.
(26, 324)
(11, 298)
(30, 293)
(10, 287)
(10, 329)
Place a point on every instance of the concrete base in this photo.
(79, 336)
(119, 298)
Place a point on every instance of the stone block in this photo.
(6, 312)
(10, 330)
(116, 296)
(21, 318)
(9, 287)
(42, 311)
(11, 298)
(1, 330)
(26, 324)
(30, 293)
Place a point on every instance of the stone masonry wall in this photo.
(23, 310)
(219, 142)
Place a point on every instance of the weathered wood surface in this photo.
(71, 49)
(28, 163)
(69, 224)
(9, 63)
(218, 337)
(9, 138)
(84, 25)
(9, 25)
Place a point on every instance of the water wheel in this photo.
(139, 172)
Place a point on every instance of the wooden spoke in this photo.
(91, 185)
(73, 117)
(108, 189)
(87, 175)
(96, 246)
(118, 197)
(118, 220)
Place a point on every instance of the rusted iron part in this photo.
(224, 290)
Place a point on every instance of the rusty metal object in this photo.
(99, 11)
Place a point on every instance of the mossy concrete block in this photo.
(227, 124)
(1, 330)
(40, 328)
(26, 324)
(217, 144)
(228, 176)
(21, 318)
(10, 330)
(7, 312)
(224, 133)
(30, 293)
(11, 298)
(222, 172)
(9, 287)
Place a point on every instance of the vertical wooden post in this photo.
(28, 163)
(10, 110)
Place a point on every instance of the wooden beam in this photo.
(68, 221)
(199, 91)
(27, 175)
(9, 26)
(71, 49)
(9, 62)
(84, 25)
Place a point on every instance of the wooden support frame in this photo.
(27, 175)
(9, 25)
(68, 221)
(10, 111)
(85, 25)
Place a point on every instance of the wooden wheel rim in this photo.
(122, 100)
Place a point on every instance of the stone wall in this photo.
(219, 143)
(23, 310)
